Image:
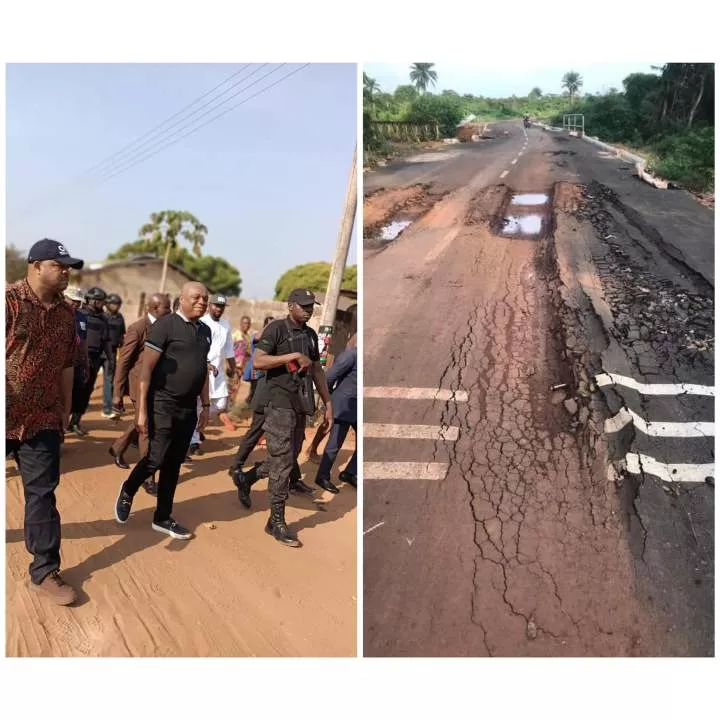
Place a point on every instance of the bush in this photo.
(688, 158)
(445, 110)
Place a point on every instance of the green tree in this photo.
(405, 93)
(165, 231)
(214, 272)
(535, 93)
(313, 276)
(572, 82)
(422, 75)
(15, 264)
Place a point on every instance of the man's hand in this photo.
(230, 373)
(213, 369)
(304, 362)
(328, 417)
(203, 419)
(142, 421)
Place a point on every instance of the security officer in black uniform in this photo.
(289, 354)
(116, 323)
(98, 347)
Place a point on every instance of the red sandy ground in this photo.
(230, 591)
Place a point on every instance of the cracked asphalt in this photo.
(535, 539)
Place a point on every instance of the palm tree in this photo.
(166, 229)
(370, 89)
(572, 82)
(422, 75)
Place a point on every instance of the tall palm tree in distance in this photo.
(422, 75)
(166, 229)
(572, 82)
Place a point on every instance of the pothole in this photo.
(530, 199)
(560, 152)
(525, 215)
(390, 232)
(522, 225)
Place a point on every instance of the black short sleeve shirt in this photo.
(182, 369)
(282, 337)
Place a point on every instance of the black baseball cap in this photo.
(218, 299)
(52, 250)
(301, 296)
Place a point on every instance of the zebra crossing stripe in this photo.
(659, 429)
(607, 379)
(410, 432)
(637, 463)
(415, 393)
(404, 471)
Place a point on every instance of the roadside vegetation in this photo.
(667, 115)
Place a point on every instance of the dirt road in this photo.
(230, 591)
(535, 466)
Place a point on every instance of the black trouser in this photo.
(78, 390)
(251, 439)
(253, 385)
(38, 460)
(170, 429)
(335, 442)
(285, 432)
(96, 361)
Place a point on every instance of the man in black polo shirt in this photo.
(288, 353)
(174, 373)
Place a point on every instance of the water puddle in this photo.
(522, 225)
(530, 199)
(391, 231)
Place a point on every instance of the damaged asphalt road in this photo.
(552, 499)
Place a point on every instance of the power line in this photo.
(211, 120)
(184, 125)
(85, 175)
(164, 122)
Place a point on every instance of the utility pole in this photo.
(329, 310)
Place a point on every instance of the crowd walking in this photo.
(180, 368)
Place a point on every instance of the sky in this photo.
(511, 78)
(268, 179)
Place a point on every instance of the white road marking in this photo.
(504, 173)
(410, 432)
(659, 429)
(444, 242)
(374, 527)
(415, 393)
(404, 471)
(680, 472)
(514, 161)
(605, 379)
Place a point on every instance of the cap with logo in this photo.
(301, 296)
(52, 250)
(218, 299)
(72, 292)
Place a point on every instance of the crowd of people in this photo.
(177, 364)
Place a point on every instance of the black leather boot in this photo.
(277, 527)
(243, 483)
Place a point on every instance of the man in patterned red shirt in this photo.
(40, 346)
